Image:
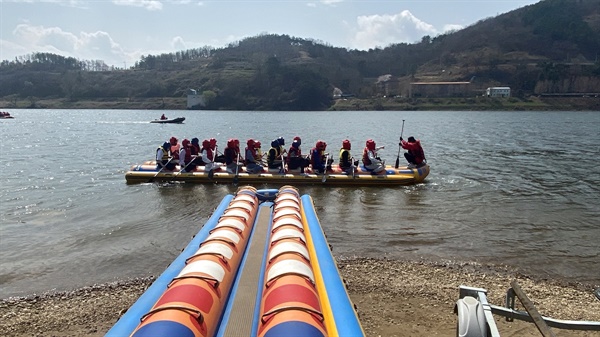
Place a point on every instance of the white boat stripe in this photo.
(288, 246)
(216, 248)
(210, 268)
(287, 221)
(289, 266)
(287, 233)
(234, 237)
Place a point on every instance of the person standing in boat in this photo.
(163, 117)
(251, 158)
(232, 156)
(275, 155)
(318, 157)
(415, 155)
(163, 161)
(345, 162)
(185, 157)
(294, 159)
(370, 159)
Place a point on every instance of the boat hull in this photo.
(177, 120)
(401, 176)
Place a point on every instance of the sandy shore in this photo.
(394, 298)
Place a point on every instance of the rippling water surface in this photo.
(514, 188)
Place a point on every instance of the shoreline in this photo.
(532, 103)
(393, 298)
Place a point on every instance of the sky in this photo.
(119, 32)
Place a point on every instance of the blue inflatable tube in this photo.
(344, 315)
(130, 320)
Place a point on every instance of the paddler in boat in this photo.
(345, 163)
(208, 157)
(318, 158)
(275, 155)
(252, 158)
(186, 158)
(195, 148)
(415, 155)
(232, 156)
(259, 153)
(370, 159)
(174, 148)
(219, 158)
(163, 117)
(295, 160)
(162, 157)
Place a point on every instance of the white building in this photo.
(194, 100)
(498, 92)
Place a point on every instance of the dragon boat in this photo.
(147, 172)
(260, 266)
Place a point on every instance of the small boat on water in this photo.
(147, 172)
(5, 115)
(177, 120)
(260, 266)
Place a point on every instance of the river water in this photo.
(509, 188)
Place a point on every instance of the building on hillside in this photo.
(440, 89)
(387, 85)
(497, 92)
(194, 100)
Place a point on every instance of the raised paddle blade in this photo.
(397, 162)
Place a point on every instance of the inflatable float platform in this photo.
(260, 266)
(147, 172)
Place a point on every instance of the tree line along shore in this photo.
(590, 103)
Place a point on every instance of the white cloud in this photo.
(178, 44)
(331, 2)
(84, 46)
(383, 30)
(452, 27)
(150, 5)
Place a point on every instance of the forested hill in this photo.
(551, 47)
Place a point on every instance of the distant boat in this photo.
(5, 115)
(177, 120)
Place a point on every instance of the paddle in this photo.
(399, 147)
(159, 171)
(186, 165)
(211, 173)
(325, 171)
(237, 167)
(354, 168)
(282, 170)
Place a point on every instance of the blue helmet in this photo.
(275, 143)
(281, 141)
(166, 145)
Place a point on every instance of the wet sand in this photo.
(394, 298)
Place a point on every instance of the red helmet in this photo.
(346, 144)
(321, 145)
(236, 142)
(173, 141)
(231, 142)
(257, 144)
(250, 142)
(185, 142)
(206, 143)
(371, 144)
(213, 142)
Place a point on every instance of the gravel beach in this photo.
(394, 298)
